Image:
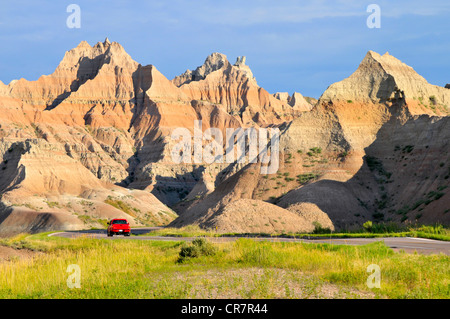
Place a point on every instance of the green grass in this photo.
(53, 204)
(241, 269)
(315, 151)
(120, 205)
(304, 178)
(377, 230)
(187, 231)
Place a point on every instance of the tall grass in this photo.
(377, 230)
(151, 269)
(403, 275)
(108, 269)
(186, 231)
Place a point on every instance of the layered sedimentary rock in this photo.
(296, 100)
(368, 150)
(104, 61)
(102, 119)
(93, 141)
(381, 78)
(65, 139)
(234, 89)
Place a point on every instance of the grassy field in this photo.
(240, 269)
(437, 232)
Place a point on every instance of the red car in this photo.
(118, 227)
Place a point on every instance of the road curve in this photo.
(407, 244)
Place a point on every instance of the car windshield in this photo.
(122, 222)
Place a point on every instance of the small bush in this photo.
(433, 99)
(368, 226)
(316, 150)
(198, 248)
(374, 163)
(304, 178)
(382, 228)
(318, 229)
(408, 149)
(53, 204)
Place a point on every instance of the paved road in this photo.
(410, 245)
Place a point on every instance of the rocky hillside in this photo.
(368, 150)
(92, 141)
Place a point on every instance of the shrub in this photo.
(433, 99)
(199, 247)
(408, 149)
(304, 178)
(404, 210)
(53, 204)
(318, 229)
(433, 195)
(382, 228)
(374, 163)
(368, 225)
(316, 150)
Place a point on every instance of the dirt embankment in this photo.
(8, 254)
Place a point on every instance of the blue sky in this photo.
(301, 46)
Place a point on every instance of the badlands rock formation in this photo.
(368, 150)
(92, 141)
(297, 101)
(234, 89)
(382, 78)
